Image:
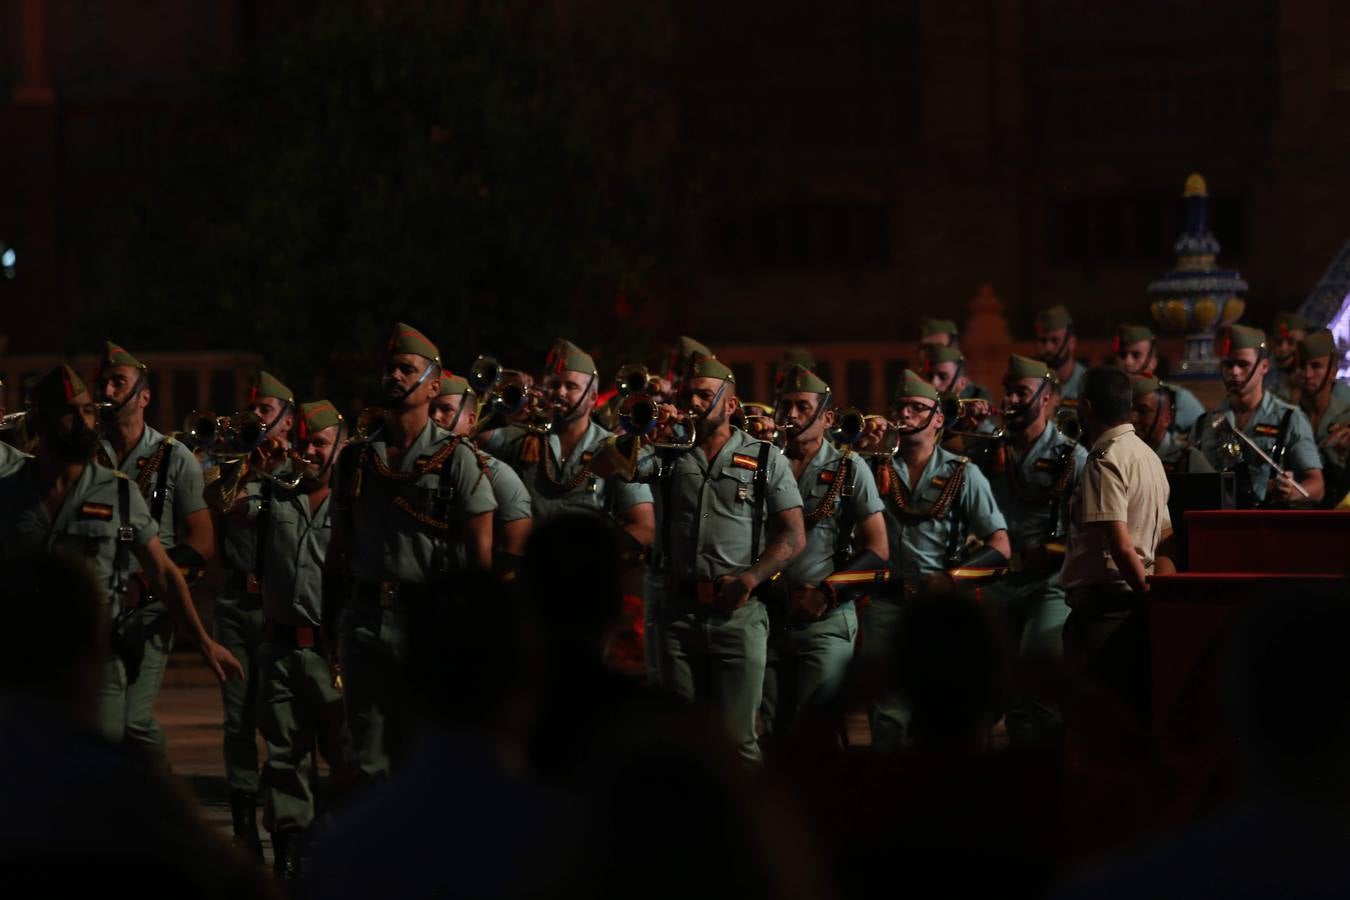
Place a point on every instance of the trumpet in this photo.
(1066, 420)
(954, 409)
(224, 437)
(484, 375)
(852, 426)
(760, 422)
(641, 416)
(635, 379)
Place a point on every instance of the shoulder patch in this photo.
(939, 481)
(1264, 429)
(587, 457)
(745, 461)
(103, 511)
(1099, 453)
(827, 476)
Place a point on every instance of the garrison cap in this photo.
(797, 356)
(911, 385)
(1053, 319)
(407, 339)
(1143, 385)
(317, 416)
(454, 385)
(117, 355)
(796, 379)
(1238, 337)
(57, 388)
(928, 326)
(687, 347)
(1286, 322)
(711, 367)
(1316, 345)
(939, 353)
(1020, 367)
(565, 356)
(268, 385)
(1132, 334)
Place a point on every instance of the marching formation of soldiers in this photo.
(770, 547)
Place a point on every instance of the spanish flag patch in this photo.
(96, 511)
(939, 481)
(1264, 430)
(1070, 402)
(745, 461)
(827, 476)
(587, 457)
(1046, 464)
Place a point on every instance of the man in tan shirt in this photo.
(1118, 523)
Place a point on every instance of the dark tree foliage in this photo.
(493, 173)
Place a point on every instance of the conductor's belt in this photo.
(395, 595)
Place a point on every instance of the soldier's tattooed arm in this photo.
(787, 537)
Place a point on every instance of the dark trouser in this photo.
(718, 660)
(806, 668)
(888, 714)
(374, 644)
(1106, 644)
(238, 627)
(1031, 609)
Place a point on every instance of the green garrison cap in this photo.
(1286, 322)
(711, 367)
(797, 356)
(911, 385)
(687, 347)
(1143, 385)
(565, 356)
(268, 385)
(1053, 319)
(57, 388)
(939, 353)
(1238, 337)
(1025, 367)
(454, 385)
(1316, 345)
(117, 355)
(797, 379)
(1132, 334)
(928, 326)
(407, 339)
(317, 416)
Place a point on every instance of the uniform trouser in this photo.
(887, 713)
(718, 661)
(298, 706)
(1106, 643)
(142, 730)
(238, 626)
(653, 587)
(806, 668)
(1031, 610)
(111, 701)
(375, 688)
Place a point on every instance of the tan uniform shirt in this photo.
(1123, 481)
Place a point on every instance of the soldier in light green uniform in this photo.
(99, 517)
(299, 704)
(1137, 353)
(815, 623)
(1282, 379)
(936, 336)
(1151, 416)
(170, 479)
(238, 615)
(413, 504)
(456, 410)
(1057, 347)
(934, 500)
(1328, 413)
(729, 519)
(1032, 479)
(1279, 429)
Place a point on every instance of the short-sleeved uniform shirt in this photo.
(1073, 386)
(513, 498)
(86, 524)
(389, 544)
(1263, 427)
(1025, 490)
(1123, 481)
(182, 488)
(1187, 410)
(711, 504)
(11, 458)
(854, 503)
(295, 544)
(1177, 457)
(547, 500)
(919, 543)
(1334, 462)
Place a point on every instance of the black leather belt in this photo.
(302, 636)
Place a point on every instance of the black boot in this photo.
(244, 811)
(287, 847)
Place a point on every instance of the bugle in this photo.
(643, 417)
(954, 409)
(759, 422)
(851, 428)
(635, 379)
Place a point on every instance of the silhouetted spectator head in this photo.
(54, 614)
(947, 666)
(572, 575)
(1285, 694)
